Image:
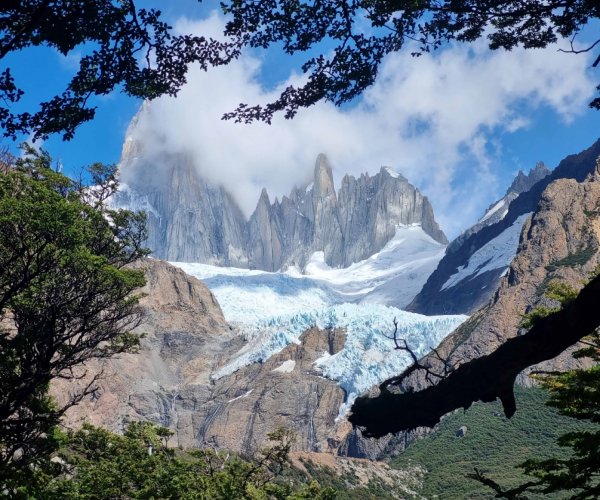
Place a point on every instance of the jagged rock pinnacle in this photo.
(193, 221)
(323, 177)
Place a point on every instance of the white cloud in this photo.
(433, 118)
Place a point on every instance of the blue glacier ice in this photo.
(272, 311)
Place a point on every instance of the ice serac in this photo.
(170, 380)
(475, 262)
(295, 365)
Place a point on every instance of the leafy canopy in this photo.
(576, 394)
(576, 472)
(135, 51)
(365, 31)
(65, 296)
(99, 464)
(125, 48)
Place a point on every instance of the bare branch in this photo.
(416, 365)
(573, 50)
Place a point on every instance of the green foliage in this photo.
(98, 464)
(560, 291)
(123, 48)
(530, 318)
(575, 394)
(347, 487)
(363, 32)
(135, 51)
(493, 444)
(65, 297)
(576, 259)
(573, 471)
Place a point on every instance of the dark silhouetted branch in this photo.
(416, 365)
(510, 494)
(484, 379)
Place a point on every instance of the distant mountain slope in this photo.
(560, 241)
(491, 442)
(470, 272)
(192, 220)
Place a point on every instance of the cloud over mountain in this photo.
(432, 118)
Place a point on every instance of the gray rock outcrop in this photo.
(171, 382)
(460, 285)
(347, 226)
(461, 432)
(191, 220)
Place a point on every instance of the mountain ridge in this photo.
(560, 241)
(192, 220)
(476, 288)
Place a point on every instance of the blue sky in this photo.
(458, 124)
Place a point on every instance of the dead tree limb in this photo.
(416, 365)
(484, 379)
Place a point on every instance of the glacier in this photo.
(392, 276)
(272, 310)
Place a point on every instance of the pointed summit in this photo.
(323, 179)
(264, 197)
(523, 182)
(390, 172)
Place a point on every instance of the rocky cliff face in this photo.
(475, 262)
(190, 220)
(171, 380)
(347, 226)
(559, 241)
(185, 340)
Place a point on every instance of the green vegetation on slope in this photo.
(348, 487)
(493, 444)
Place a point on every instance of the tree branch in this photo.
(484, 379)
(511, 494)
(416, 365)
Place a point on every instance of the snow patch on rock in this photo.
(495, 254)
(286, 367)
(493, 210)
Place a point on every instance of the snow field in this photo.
(495, 254)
